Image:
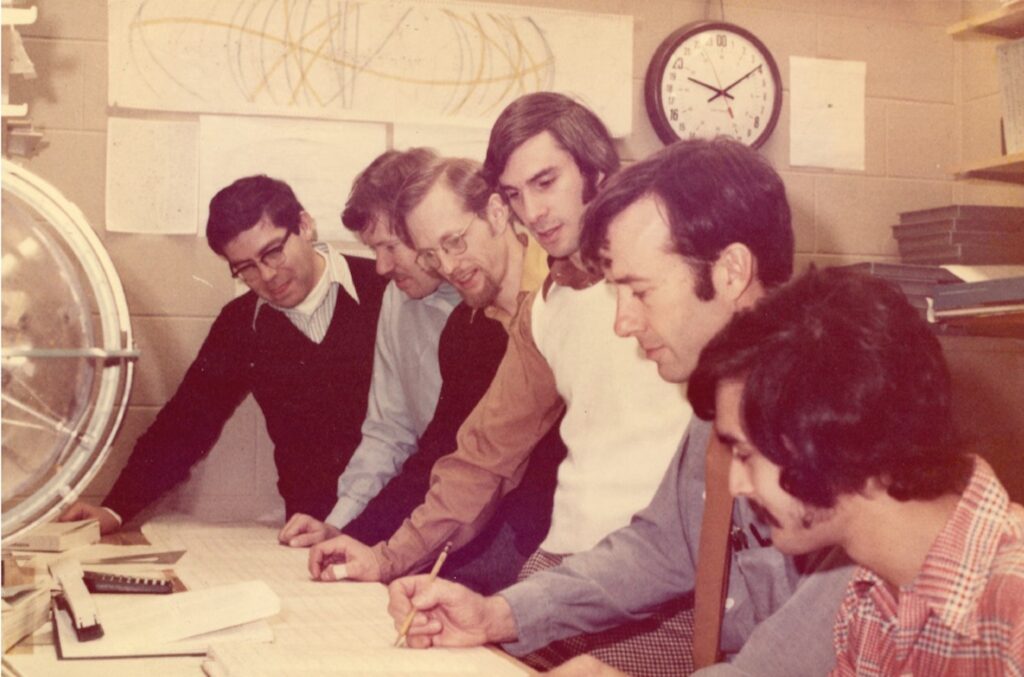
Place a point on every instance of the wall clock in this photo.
(712, 78)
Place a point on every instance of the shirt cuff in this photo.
(344, 511)
(120, 522)
(528, 602)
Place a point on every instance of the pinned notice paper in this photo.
(826, 113)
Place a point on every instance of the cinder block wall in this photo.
(931, 104)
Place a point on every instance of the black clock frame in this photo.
(656, 70)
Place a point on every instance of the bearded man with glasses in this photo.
(461, 229)
(301, 341)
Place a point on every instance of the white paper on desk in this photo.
(826, 103)
(332, 624)
(232, 660)
(152, 176)
(139, 625)
(43, 661)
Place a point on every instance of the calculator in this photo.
(99, 583)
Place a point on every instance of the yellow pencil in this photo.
(407, 623)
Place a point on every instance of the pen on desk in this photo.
(407, 623)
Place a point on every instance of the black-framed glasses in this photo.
(273, 257)
(452, 245)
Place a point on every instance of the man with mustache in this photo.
(689, 237)
(834, 399)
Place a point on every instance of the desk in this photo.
(322, 629)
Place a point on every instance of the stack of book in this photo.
(969, 234)
(916, 282)
(992, 307)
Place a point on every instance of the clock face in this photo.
(710, 79)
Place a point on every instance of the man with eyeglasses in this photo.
(301, 342)
(463, 232)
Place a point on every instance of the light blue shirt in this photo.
(778, 614)
(403, 395)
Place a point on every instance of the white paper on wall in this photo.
(826, 104)
(384, 60)
(318, 159)
(469, 142)
(152, 177)
(1010, 56)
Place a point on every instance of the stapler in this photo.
(76, 600)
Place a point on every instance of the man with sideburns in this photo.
(834, 399)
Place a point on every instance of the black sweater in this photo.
(470, 350)
(313, 397)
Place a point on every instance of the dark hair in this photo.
(714, 192)
(241, 205)
(574, 126)
(843, 382)
(462, 175)
(374, 190)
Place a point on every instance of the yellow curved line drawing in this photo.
(534, 69)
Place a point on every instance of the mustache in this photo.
(764, 515)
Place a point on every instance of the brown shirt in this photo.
(494, 445)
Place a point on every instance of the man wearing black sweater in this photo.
(301, 341)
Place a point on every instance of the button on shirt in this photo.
(963, 614)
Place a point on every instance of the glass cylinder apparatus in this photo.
(67, 351)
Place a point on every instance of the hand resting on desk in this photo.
(80, 510)
(302, 531)
(449, 614)
(359, 560)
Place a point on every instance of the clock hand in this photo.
(718, 92)
(725, 92)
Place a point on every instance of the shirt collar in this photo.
(567, 274)
(535, 269)
(970, 539)
(336, 271)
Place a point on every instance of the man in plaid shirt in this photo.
(834, 399)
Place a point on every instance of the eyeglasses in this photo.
(271, 258)
(453, 245)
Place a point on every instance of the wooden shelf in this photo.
(1005, 22)
(1006, 168)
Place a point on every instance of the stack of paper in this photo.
(24, 612)
(181, 623)
(58, 536)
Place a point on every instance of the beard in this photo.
(483, 297)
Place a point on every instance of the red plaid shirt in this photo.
(963, 614)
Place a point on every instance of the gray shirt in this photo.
(779, 611)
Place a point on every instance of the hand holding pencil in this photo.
(429, 612)
(404, 629)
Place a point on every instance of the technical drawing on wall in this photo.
(372, 60)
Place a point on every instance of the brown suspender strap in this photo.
(712, 578)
